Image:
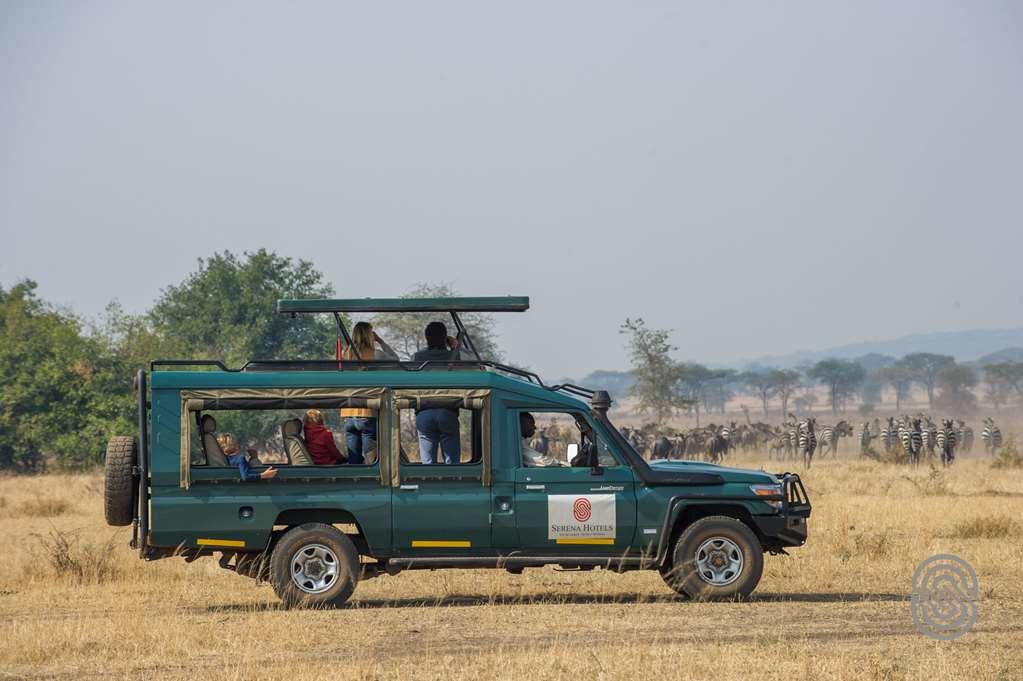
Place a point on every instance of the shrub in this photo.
(1008, 456)
(991, 527)
(76, 561)
(43, 507)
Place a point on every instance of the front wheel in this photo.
(314, 565)
(716, 558)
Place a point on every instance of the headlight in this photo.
(768, 490)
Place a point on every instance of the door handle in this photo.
(410, 487)
(536, 487)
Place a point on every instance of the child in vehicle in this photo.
(229, 445)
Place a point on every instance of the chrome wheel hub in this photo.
(314, 568)
(719, 561)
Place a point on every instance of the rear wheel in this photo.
(716, 558)
(119, 481)
(314, 565)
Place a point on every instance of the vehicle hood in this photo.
(746, 475)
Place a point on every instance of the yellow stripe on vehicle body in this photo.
(235, 543)
(573, 540)
(446, 544)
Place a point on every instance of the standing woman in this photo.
(361, 423)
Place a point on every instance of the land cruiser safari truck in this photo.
(315, 530)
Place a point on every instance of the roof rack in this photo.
(377, 365)
(451, 304)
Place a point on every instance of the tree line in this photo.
(67, 380)
(663, 386)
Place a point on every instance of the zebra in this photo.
(889, 435)
(829, 436)
(946, 441)
(928, 434)
(865, 438)
(965, 436)
(991, 435)
(912, 440)
(808, 439)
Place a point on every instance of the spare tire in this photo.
(120, 483)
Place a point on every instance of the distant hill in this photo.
(965, 346)
(617, 383)
(1006, 355)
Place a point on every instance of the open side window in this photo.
(558, 437)
(267, 427)
(441, 430)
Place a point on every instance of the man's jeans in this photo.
(361, 438)
(438, 427)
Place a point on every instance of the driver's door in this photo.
(566, 510)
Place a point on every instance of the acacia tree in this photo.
(842, 378)
(1003, 377)
(955, 383)
(693, 382)
(900, 378)
(925, 367)
(763, 385)
(785, 381)
(656, 373)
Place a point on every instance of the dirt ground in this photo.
(838, 608)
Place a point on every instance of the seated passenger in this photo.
(530, 457)
(229, 445)
(364, 345)
(439, 345)
(319, 440)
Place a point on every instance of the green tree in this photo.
(693, 383)
(763, 385)
(925, 367)
(955, 383)
(226, 310)
(404, 331)
(841, 377)
(63, 393)
(656, 374)
(1005, 376)
(900, 378)
(785, 381)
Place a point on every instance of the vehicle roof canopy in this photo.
(459, 304)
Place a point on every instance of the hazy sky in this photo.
(760, 177)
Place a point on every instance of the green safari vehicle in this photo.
(315, 530)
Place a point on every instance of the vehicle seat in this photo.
(210, 446)
(294, 445)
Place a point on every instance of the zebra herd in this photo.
(904, 436)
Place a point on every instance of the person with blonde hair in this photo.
(229, 445)
(360, 422)
(319, 440)
(364, 346)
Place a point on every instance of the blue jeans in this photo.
(438, 427)
(361, 437)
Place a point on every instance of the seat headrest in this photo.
(209, 424)
(291, 427)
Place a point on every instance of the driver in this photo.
(530, 457)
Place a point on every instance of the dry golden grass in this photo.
(85, 607)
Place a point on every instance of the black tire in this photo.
(721, 537)
(119, 484)
(305, 539)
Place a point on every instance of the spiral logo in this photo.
(582, 510)
(945, 597)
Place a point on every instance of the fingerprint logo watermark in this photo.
(945, 597)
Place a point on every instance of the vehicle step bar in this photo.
(438, 562)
